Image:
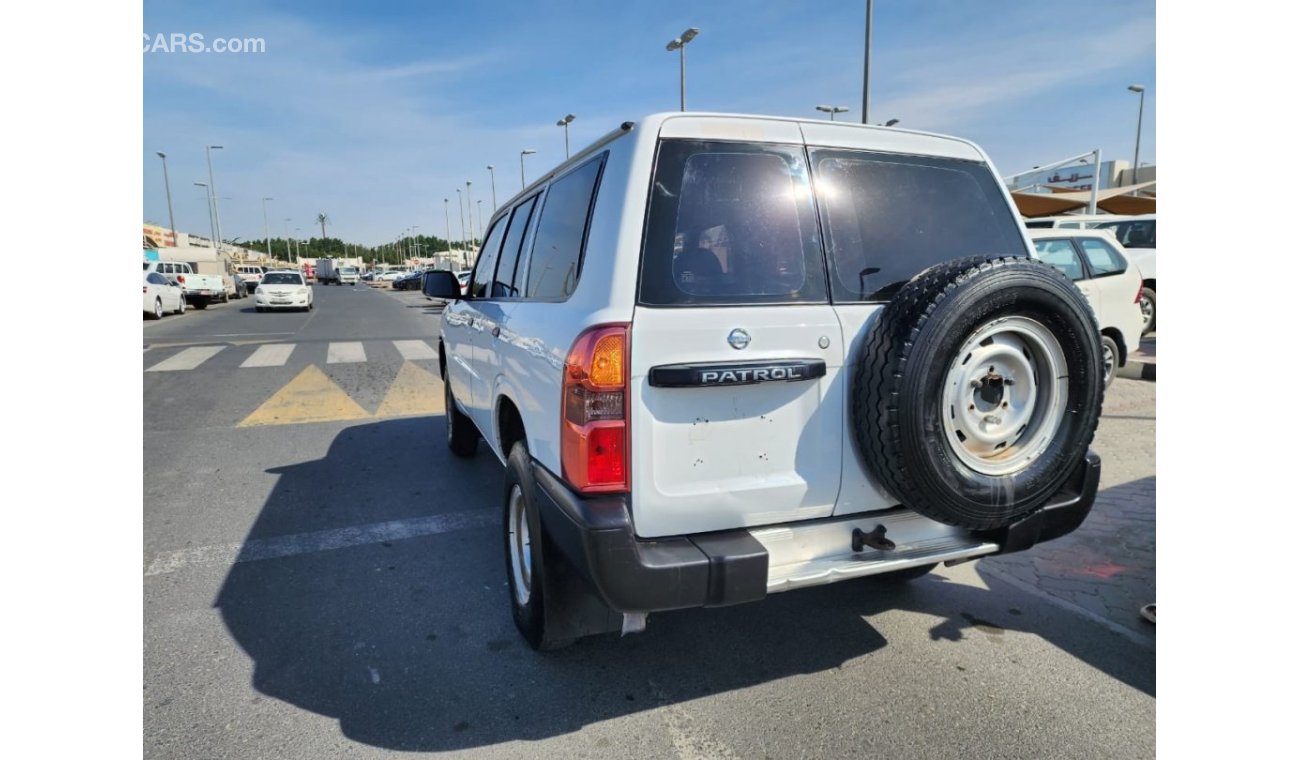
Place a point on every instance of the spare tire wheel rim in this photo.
(1005, 396)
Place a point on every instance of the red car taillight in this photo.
(1138, 298)
(180, 278)
(594, 427)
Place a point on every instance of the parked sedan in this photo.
(409, 281)
(1111, 283)
(162, 296)
(283, 290)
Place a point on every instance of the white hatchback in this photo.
(283, 290)
(1111, 283)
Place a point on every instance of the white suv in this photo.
(725, 356)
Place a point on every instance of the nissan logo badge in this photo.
(738, 339)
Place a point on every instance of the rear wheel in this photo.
(1109, 358)
(157, 308)
(1147, 302)
(462, 438)
(529, 558)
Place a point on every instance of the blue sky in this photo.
(375, 112)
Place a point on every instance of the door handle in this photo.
(496, 332)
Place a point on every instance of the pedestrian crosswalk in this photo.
(278, 354)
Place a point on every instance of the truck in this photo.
(200, 289)
(327, 272)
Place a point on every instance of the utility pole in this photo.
(267, 227)
(212, 188)
(171, 218)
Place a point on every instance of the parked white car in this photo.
(286, 289)
(162, 296)
(390, 275)
(1113, 285)
(251, 274)
(801, 352)
(1138, 236)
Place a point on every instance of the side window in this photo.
(1060, 254)
(1102, 258)
(731, 223)
(562, 233)
(507, 283)
(889, 217)
(487, 261)
(167, 269)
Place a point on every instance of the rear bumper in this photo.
(716, 569)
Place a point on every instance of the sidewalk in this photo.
(1107, 567)
(1141, 363)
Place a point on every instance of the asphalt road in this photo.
(321, 584)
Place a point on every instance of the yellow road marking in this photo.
(415, 391)
(309, 397)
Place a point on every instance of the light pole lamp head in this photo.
(891, 122)
(491, 167)
(1137, 88)
(161, 154)
(527, 152)
(689, 34)
(214, 147)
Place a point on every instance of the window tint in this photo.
(562, 232)
(487, 260)
(731, 223)
(1138, 233)
(282, 278)
(1102, 258)
(1060, 254)
(888, 217)
(507, 283)
(146, 266)
(158, 279)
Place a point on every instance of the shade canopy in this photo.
(1116, 200)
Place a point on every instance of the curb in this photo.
(1136, 369)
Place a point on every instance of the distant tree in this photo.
(321, 219)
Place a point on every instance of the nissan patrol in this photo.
(726, 356)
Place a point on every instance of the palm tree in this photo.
(321, 219)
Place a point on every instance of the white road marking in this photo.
(319, 541)
(415, 349)
(187, 359)
(345, 353)
(270, 355)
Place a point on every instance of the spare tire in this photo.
(979, 389)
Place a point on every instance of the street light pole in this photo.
(469, 205)
(207, 191)
(480, 218)
(212, 188)
(460, 202)
(565, 123)
(267, 225)
(171, 218)
(491, 171)
(832, 110)
(446, 213)
(1142, 97)
(866, 69)
(679, 44)
(526, 152)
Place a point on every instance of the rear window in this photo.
(731, 223)
(889, 217)
(282, 278)
(1138, 233)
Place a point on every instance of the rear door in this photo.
(736, 354)
(1114, 292)
(885, 218)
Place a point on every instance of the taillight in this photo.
(1138, 298)
(146, 288)
(180, 278)
(593, 429)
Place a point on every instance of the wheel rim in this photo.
(157, 308)
(1107, 360)
(521, 558)
(1004, 396)
(1148, 309)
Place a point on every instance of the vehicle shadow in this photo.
(409, 643)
